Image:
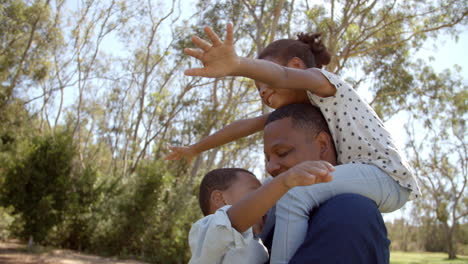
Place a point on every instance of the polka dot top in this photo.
(359, 134)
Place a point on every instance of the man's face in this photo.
(285, 146)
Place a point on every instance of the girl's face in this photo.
(276, 98)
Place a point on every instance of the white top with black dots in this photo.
(360, 135)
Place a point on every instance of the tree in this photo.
(37, 184)
(53, 198)
(404, 235)
(25, 51)
(439, 150)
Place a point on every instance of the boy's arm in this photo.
(220, 59)
(237, 129)
(252, 208)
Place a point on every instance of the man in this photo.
(345, 229)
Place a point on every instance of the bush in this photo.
(150, 217)
(6, 221)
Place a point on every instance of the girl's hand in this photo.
(178, 153)
(219, 58)
(308, 173)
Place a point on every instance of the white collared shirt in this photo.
(213, 240)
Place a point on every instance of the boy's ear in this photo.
(217, 200)
(297, 63)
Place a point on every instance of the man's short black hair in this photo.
(218, 179)
(304, 116)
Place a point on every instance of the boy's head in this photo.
(225, 186)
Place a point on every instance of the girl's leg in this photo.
(293, 209)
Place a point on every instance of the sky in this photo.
(448, 53)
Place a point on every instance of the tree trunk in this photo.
(30, 242)
(451, 244)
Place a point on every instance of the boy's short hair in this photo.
(218, 179)
(305, 116)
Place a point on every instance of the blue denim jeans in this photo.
(293, 209)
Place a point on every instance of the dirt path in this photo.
(12, 252)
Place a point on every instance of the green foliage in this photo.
(393, 79)
(26, 44)
(37, 185)
(14, 120)
(79, 221)
(6, 223)
(136, 208)
(404, 236)
(149, 218)
(426, 234)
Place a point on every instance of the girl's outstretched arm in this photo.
(220, 59)
(276, 76)
(236, 130)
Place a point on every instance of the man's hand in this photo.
(219, 58)
(178, 153)
(308, 173)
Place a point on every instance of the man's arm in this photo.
(236, 130)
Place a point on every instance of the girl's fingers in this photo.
(196, 53)
(229, 34)
(195, 72)
(171, 156)
(213, 37)
(201, 43)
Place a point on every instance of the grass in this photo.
(398, 257)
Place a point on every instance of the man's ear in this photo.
(297, 63)
(325, 142)
(217, 200)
